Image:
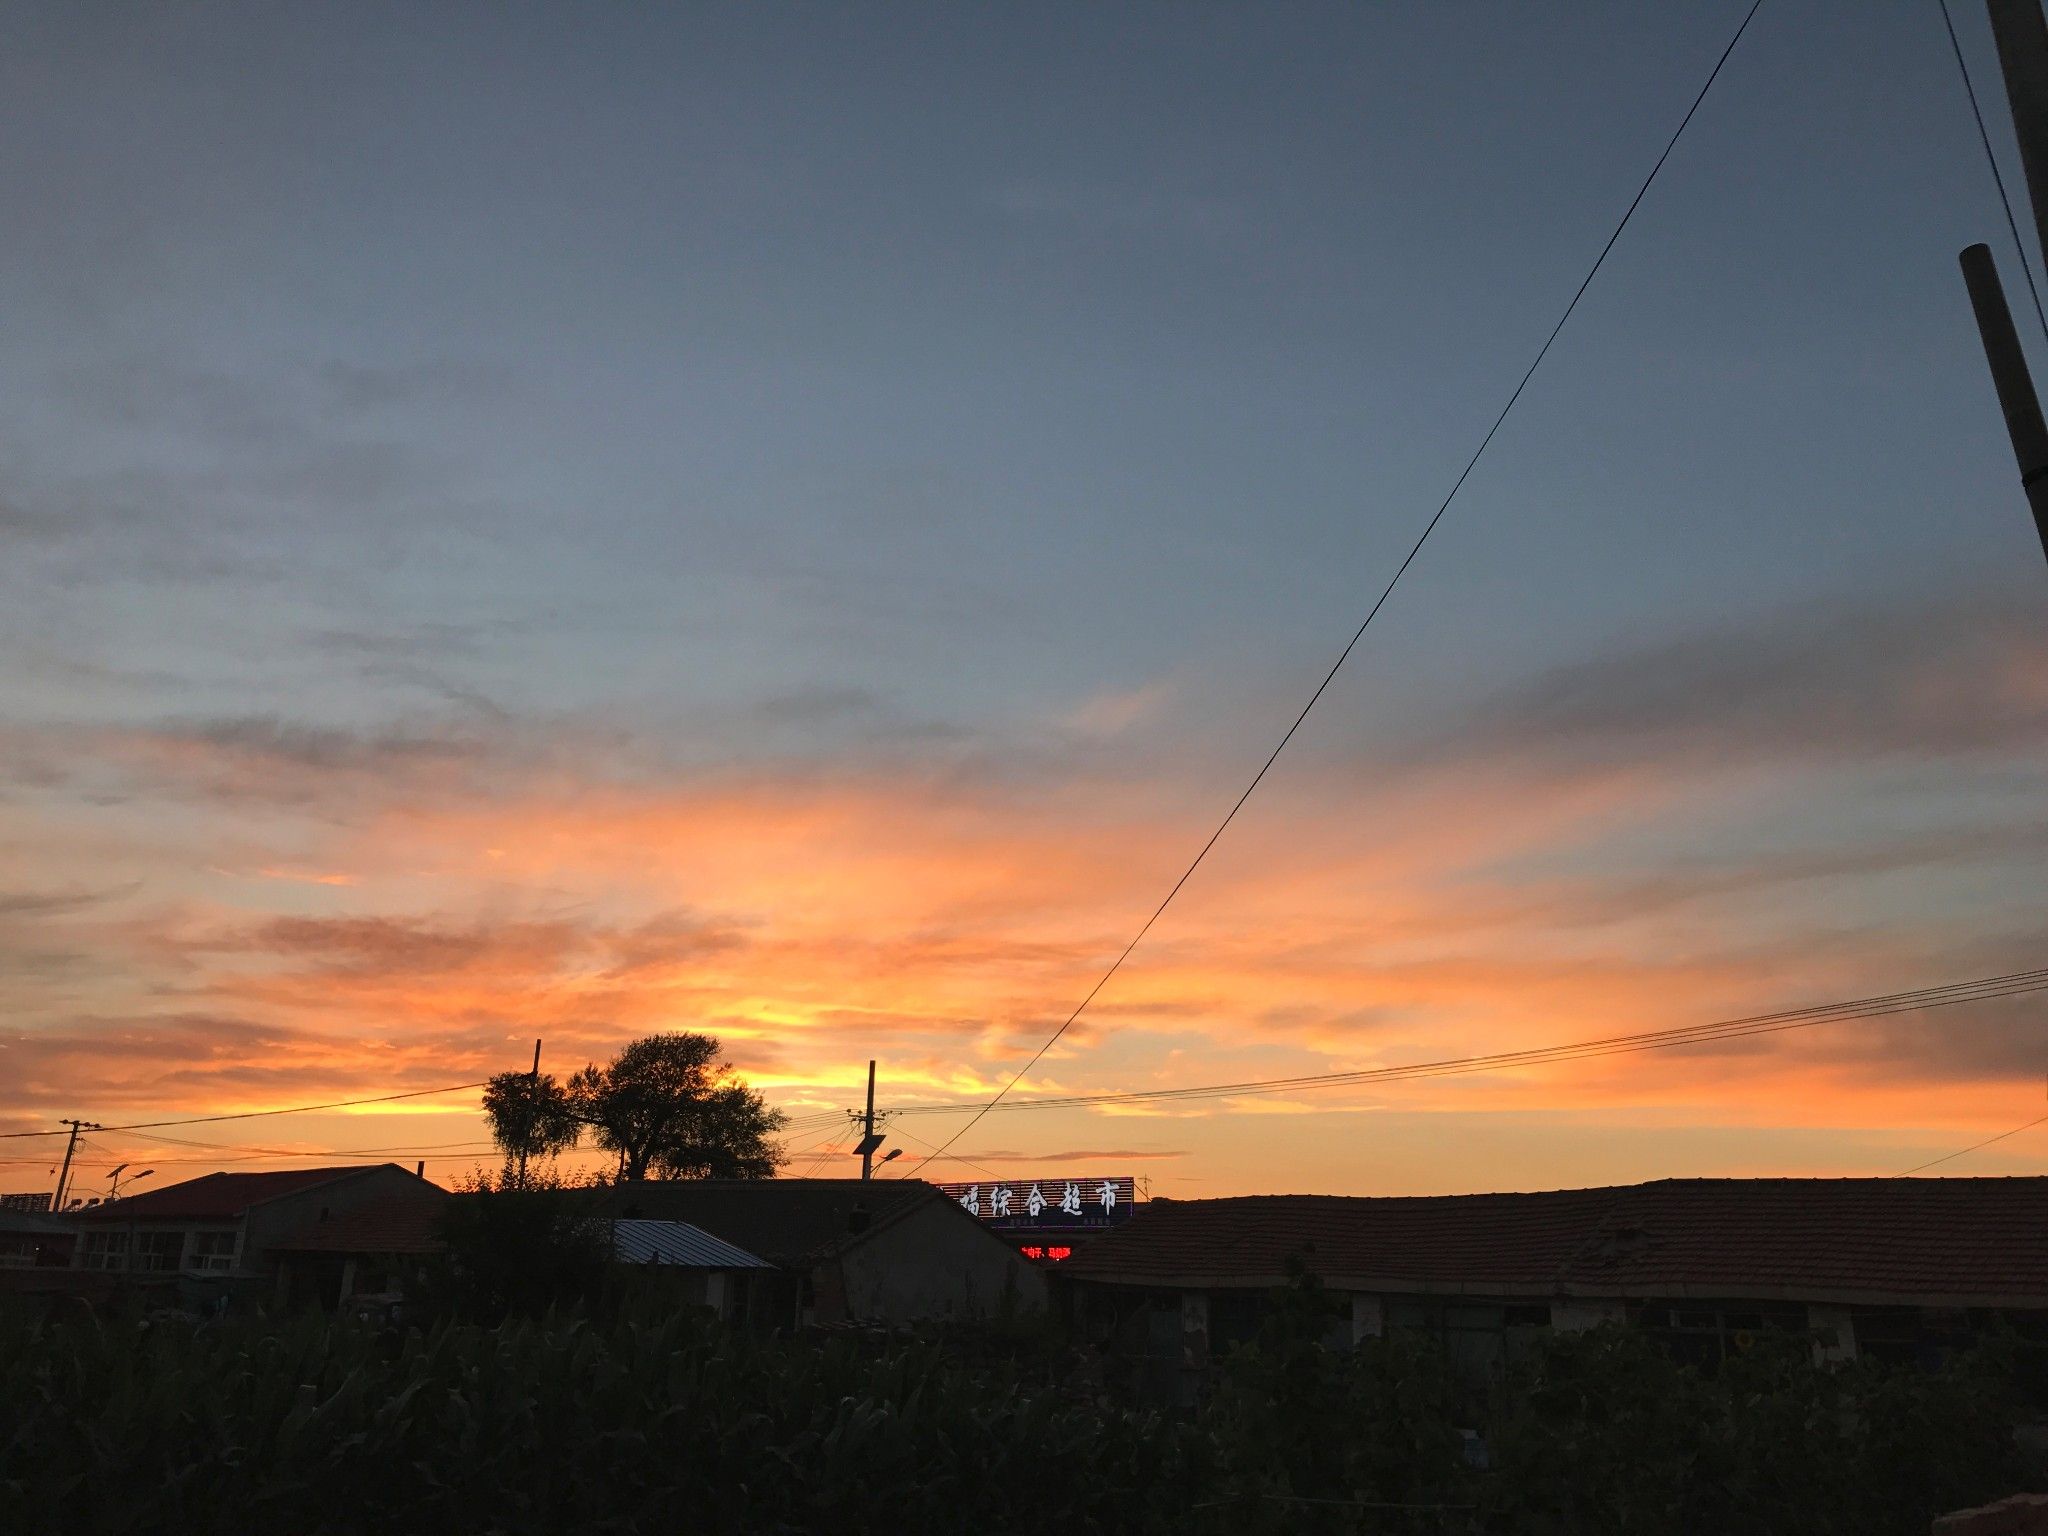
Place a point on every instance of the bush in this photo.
(518, 1250)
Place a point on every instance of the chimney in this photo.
(858, 1218)
(419, 1170)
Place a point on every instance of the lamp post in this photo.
(114, 1180)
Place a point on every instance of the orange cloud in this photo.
(1539, 876)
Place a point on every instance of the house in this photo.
(220, 1233)
(1898, 1268)
(886, 1251)
(372, 1256)
(371, 1250)
(705, 1271)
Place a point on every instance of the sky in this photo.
(796, 521)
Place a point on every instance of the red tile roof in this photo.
(1936, 1241)
(219, 1196)
(400, 1224)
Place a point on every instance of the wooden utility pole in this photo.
(64, 1174)
(2009, 376)
(869, 1140)
(533, 1099)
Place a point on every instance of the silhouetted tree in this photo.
(665, 1104)
(531, 1117)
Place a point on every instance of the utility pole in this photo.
(2021, 33)
(2009, 376)
(533, 1098)
(869, 1140)
(70, 1146)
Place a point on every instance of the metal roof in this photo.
(677, 1242)
(789, 1222)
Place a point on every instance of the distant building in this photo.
(845, 1250)
(1904, 1269)
(223, 1231)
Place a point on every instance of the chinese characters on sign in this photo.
(1050, 1255)
(1059, 1203)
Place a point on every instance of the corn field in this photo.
(564, 1425)
(550, 1426)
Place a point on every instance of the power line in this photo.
(791, 1154)
(1392, 582)
(260, 1114)
(1991, 159)
(298, 1109)
(224, 1146)
(107, 1159)
(1951, 994)
(1973, 1147)
(951, 1157)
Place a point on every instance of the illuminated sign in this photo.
(1046, 1255)
(1056, 1204)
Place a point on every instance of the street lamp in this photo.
(114, 1179)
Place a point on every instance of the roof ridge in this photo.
(1732, 1181)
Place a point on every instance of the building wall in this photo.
(1178, 1329)
(161, 1247)
(934, 1263)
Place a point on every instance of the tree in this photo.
(665, 1104)
(530, 1117)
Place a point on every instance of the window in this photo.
(158, 1252)
(1704, 1333)
(104, 1250)
(1479, 1339)
(213, 1251)
(17, 1252)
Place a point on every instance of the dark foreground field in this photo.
(573, 1426)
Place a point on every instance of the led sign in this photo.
(1042, 1204)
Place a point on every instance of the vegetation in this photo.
(666, 1104)
(1605, 1432)
(548, 1427)
(632, 1425)
(518, 1244)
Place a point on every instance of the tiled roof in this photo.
(409, 1223)
(785, 1221)
(679, 1243)
(218, 1196)
(1952, 1241)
